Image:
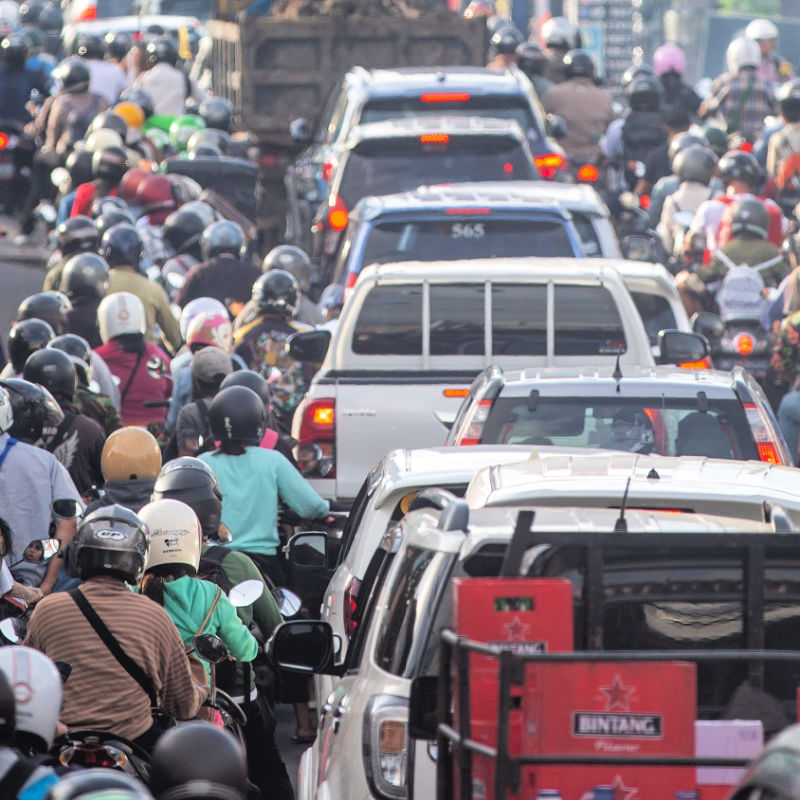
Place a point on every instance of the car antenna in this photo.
(621, 526)
(617, 374)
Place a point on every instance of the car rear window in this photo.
(390, 322)
(656, 313)
(392, 166)
(587, 234)
(474, 236)
(662, 424)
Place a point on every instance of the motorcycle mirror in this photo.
(556, 126)
(66, 508)
(60, 178)
(638, 247)
(245, 593)
(287, 601)
(49, 548)
(9, 631)
(210, 648)
(175, 280)
(300, 130)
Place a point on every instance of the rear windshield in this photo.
(670, 426)
(656, 313)
(465, 237)
(400, 167)
(587, 234)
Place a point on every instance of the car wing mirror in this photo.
(310, 346)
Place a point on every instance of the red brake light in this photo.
(767, 449)
(319, 421)
(588, 172)
(350, 600)
(478, 417)
(747, 147)
(644, 201)
(434, 138)
(326, 173)
(744, 344)
(352, 277)
(337, 214)
(3, 140)
(704, 363)
(548, 163)
(460, 211)
(768, 452)
(444, 97)
(88, 13)
(508, 167)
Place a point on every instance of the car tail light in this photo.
(4, 138)
(746, 146)
(460, 211)
(316, 442)
(704, 363)
(326, 172)
(88, 13)
(644, 201)
(385, 746)
(350, 605)
(337, 214)
(444, 97)
(434, 138)
(474, 426)
(548, 164)
(768, 450)
(455, 392)
(588, 173)
(744, 344)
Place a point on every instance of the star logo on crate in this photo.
(624, 792)
(618, 695)
(516, 630)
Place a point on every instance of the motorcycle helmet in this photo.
(79, 352)
(182, 129)
(75, 235)
(204, 210)
(36, 683)
(237, 414)
(198, 760)
(740, 165)
(634, 71)
(52, 307)
(34, 37)
(53, 370)
(130, 183)
(209, 137)
(695, 163)
(14, 50)
(162, 50)
(197, 306)
(109, 120)
(479, 8)
(175, 536)
(101, 139)
(750, 216)
(6, 410)
(131, 113)
(205, 151)
(558, 33)
(85, 276)
(291, 259)
(98, 783)
(742, 53)
(222, 237)
(250, 379)
(141, 98)
(73, 75)
(110, 540)
(789, 99)
(121, 246)
(102, 204)
(217, 112)
(276, 292)
(182, 230)
(51, 20)
(8, 712)
(669, 58)
(155, 196)
(531, 59)
(578, 64)
(110, 164)
(210, 329)
(644, 93)
(130, 454)
(30, 11)
(185, 189)
(79, 166)
(761, 30)
(117, 44)
(108, 219)
(681, 142)
(32, 407)
(192, 481)
(506, 41)
(90, 46)
(120, 313)
(716, 139)
(26, 337)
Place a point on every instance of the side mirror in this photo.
(245, 593)
(300, 130)
(422, 704)
(556, 126)
(66, 508)
(8, 630)
(639, 247)
(305, 646)
(679, 347)
(708, 324)
(309, 346)
(289, 604)
(314, 549)
(39, 550)
(210, 648)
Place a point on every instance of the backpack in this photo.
(210, 568)
(741, 292)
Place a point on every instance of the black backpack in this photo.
(210, 568)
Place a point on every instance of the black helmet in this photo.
(142, 99)
(8, 712)
(51, 20)
(117, 44)
(222, 237)
(35, 39)
(27, 337)
(54, 370)
(182, 230)
(33, 406)
(102, 204)
(209, 137)
(79, 166)
(578, 64)
(644, 93)
(506, 40)
(79, 352)
(112, 121)
(110, 218)
(237, 414)
(30, 11)
(162, 50)
(52, 307)
(73, 74)
(250, 379)
(740, 165)
(217, 112)
(121, 246)
(750, 216)
(110, 164)
(633, 71)
(75, 235)
(291, 259)
(681, 142)
(192, 481)
(111, 539)
(98, 782)
(789, 99)
(85, 275)
(277, 292)
(695, 163)
(90, 45)
(205, 151)
(198, 760)
(531, 59)
(14, 49)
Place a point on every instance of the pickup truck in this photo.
(412, 337)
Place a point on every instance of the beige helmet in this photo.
(130, 453)
(175, 534)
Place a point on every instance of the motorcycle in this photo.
(16, 161)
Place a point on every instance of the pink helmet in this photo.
(669, 58)
(210, 328)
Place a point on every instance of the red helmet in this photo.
(130, 183)
(210, 328)
(156, 198)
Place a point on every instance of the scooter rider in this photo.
(108, 552)
(559, 36)
(74, 235)
(17, 80)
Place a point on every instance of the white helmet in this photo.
(176, 537)
(560, 32)
(742, 52)
(760, 29)
(198, 306)
(37, 690)
(119, 313)
(102, 139)
(9, 12)
(6, 411)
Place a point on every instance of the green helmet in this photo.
(182, 129)
(717, 139)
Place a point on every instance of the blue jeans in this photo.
(789, 421)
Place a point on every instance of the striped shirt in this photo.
(100, 694)
(729, 98)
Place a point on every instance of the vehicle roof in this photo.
(408, 127)
(476, 80)
(595, 478)
(529, 195)
(133, 23)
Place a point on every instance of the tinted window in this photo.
(519, 319)
(465, 237)
(392, 166)
(390, 322)
(457, 319)
(656, 313)
(670, 426)
(587, 322)
(587, 234)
